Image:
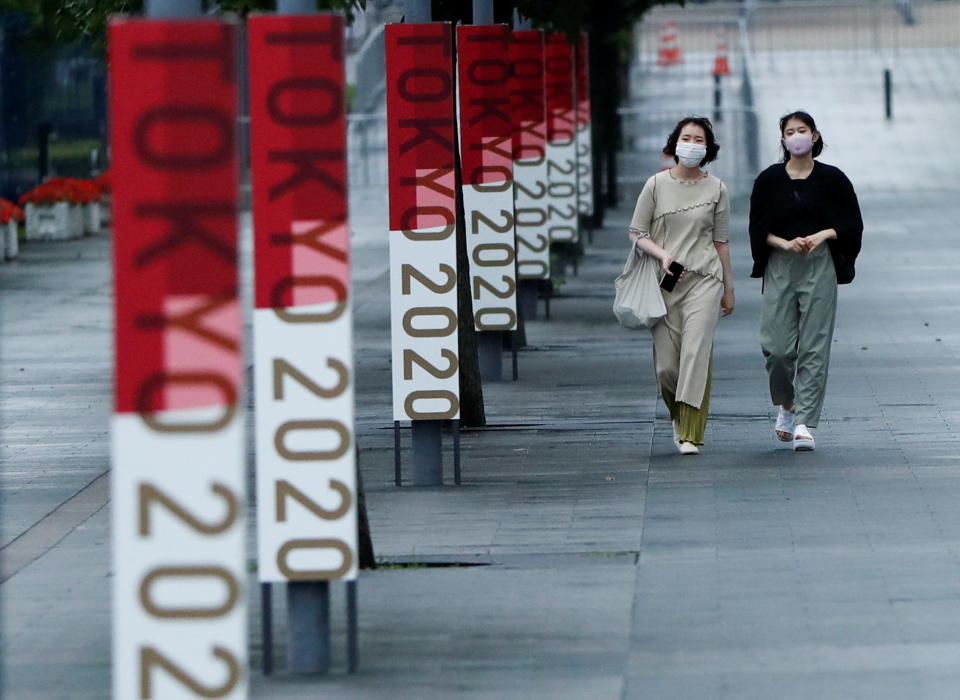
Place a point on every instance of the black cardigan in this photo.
(793, 208)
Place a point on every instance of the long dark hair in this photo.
(808, 120)
(712, 146)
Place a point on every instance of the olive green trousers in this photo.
(690, 422)
(797, 318)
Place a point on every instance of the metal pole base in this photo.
(888, 94)
(490, 350)
(396, 452)
(353, 652)
(456, 452)
(527, 299)
(308, 627)
(427, 454)
(717, 100)
(547, 294)
(266, 622)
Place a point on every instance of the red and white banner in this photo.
(302, 323)
(423, 221)
(561, 140)
(486, 157)
(529, 155)
(584, 129)
(179, 618)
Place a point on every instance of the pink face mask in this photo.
(799, 144)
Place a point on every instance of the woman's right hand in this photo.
(665, 263)
(797, 245)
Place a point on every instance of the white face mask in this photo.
(690, 154)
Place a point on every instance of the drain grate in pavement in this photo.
(586, 295)
(738, 416)
(391, 564)
(905, 405)
(513, 560)
(563, 425)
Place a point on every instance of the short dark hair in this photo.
(808, 120)
(712, 146)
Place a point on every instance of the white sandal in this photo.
(683, 447)
(785, 425)
(802, 439)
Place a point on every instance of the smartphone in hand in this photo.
(670, 281)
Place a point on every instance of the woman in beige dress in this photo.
(682, 215)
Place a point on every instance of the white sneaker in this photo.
(802, 439)
(785, 425)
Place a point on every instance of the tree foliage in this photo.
(67, 20)
(72, 20)
(574, 16)
(567, 16)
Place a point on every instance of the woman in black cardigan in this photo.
(805, 234)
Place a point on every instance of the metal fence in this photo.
(677, 49)
(687, 63)
(854, 25)
(683, 43)
(367, 149)
(53, 111)
(645, 134)
(851, 25)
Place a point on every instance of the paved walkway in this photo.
(612, 567)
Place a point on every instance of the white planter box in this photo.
(76, 220)
(10, 245)
(91, 218)
(105, 210)
(54, 222)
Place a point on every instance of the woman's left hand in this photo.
(817, 239)
(727, 302)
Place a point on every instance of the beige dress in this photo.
(686, 219)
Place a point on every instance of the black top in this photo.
(794, 208)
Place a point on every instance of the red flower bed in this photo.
(62, 189)
(9, 211)
(102, 181)
(87, 191)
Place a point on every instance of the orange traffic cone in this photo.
(721, 66)
(669, 52)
